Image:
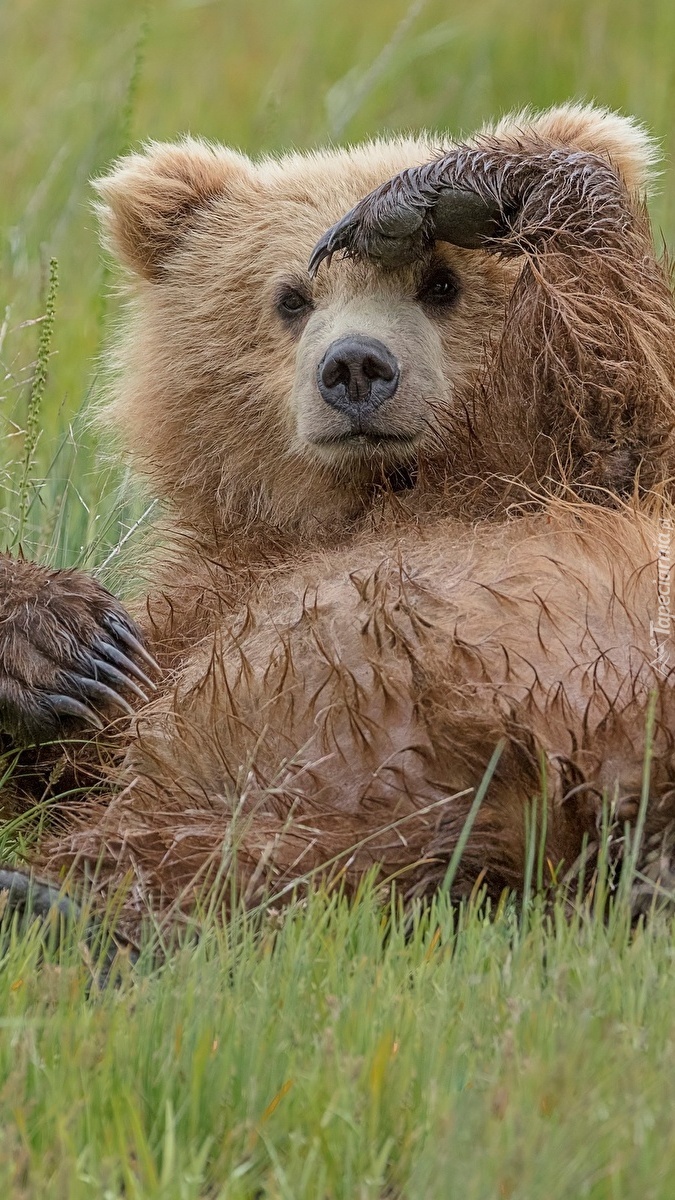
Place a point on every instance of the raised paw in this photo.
(400, 221)
(69, 654)
(485, 196)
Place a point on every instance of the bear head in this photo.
(248, 391)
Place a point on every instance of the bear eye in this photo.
(439, 288)
(291, 303)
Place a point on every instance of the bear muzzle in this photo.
(356, 376)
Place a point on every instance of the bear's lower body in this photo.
(344, 720)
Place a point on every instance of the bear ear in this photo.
(148, 200)
(623, 140)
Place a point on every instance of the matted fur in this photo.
(348, 643)
(352, 706)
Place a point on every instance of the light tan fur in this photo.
(622, 140)
(216, 401)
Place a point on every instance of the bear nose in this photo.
(356, 375)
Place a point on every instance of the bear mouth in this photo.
(359, 439)
(388, 459)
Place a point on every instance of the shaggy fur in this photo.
(347, 644)
(349, 714)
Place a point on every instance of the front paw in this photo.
(68, 653)
(484, 197)
(399, 222)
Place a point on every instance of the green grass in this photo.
(339, 1054)
(333, 1056)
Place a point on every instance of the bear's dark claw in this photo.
(124, 634)
(67, 706)
(321, 252)
(95, 690)
(125, 666)
(104, 670)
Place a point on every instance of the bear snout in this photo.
(356, 376)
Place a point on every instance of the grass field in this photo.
(336, 1053)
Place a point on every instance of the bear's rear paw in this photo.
(25, 899)
(68, 652)
(653, 888)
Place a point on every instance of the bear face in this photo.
(247, 385)
(251, 391)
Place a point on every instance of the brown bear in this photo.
(414, 504)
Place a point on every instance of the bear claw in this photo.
(105, 671)
(119, 666)
(93, 689)
(125, 635)
(62, 705)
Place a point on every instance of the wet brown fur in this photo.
(345, 656)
